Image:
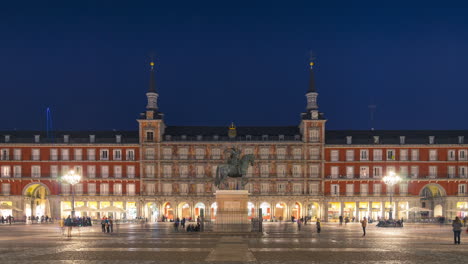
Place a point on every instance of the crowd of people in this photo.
(107, 225)
(7, 220)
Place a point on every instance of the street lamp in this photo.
(72, 178)
(391, 180)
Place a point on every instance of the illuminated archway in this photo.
(281, 210)
(168, 211)
(152, 211)
(266, 210)
(251, 210)
(213, 209)
(184, 210)
(38, 203)
(198, 208)
(296, 210)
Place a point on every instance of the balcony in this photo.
(5, 157)
(53, 157)
(17, 157)
(35, 157)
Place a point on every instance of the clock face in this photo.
(314, 114)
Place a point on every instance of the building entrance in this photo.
(37, 202)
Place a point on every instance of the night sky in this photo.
(229, 61)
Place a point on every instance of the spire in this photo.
(311, 79)
(152, 82)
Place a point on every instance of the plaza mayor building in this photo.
(161, 170)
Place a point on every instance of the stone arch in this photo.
(151, 211)
(197, 209)
(434, 188)
(33, 187)
(266, 210)
(168, 211)
(281, 211)
(37, 201)
(184, 210)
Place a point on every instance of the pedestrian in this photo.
(319, 228)
(111, 225)
(341, 219)
(103, 224)
(464, 221)
(364, 225)
(107, 225)
(299, 223)
(69, 225)
(457, 227)
(182, 223)
(176, 224)
(346, 221)
(62, 226)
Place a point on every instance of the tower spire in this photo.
(152, 94)
(311, 95)
(311, 78)
(152, 82)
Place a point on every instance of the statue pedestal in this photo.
(232, 211)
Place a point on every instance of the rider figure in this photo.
(234, 159)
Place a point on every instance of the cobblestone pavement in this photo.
(280, 243)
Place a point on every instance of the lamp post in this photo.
(72, 178)
(391, 180)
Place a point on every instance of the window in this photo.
(404, 171)
(415, 154)
(104, 189)
(314, 171)
(350, 172)
(264, 188)
(349, 140)
(451, 154)
(376, 139)
(149, 171)
(150, 189)
(7, 138)
(54, 171)
(391, 154)
(65, 170)
(200, 171)
(314, 153)
(335, 189)
(377, 189)
(183, 188)
(431, 139)
(403, 188)
(433, 154)
(36, 154)
(131, 172)
(5, 188)
(462, 171)
(117, 189)
(349, 155)
(390, 170)
(314, 189)
(334, 172)
(215, 167)
(130, 153)
(364, 189)
(297, 170)
(167, 153)
(6, 171)
(79, 170)
(65, 188)
(461, 189)
(462, 154)
(167, 188)
(199, 153)
(364, 154)
(349, 189)
(149, 153)
(79, 188)
(364, 172)
(377, 154)
(91, 153)
(118, 171)
(249, 151)
(461, 139)
(117, 154)
(314, 135)
(183, 153)
(377, 172)
(402, 140)
(297, 188)
(65, 154)
(216, 153)
(451, 171)
(37, 138)
(92, 188)
(297, 153)
(414, 171)
(167, 171)
(104, 171)
(432, 171)
(281, 188)
(5, 155)
(17, 154)
(403, 154)
(92, 138)
(91, 171)
(200, 188)
(264, 170)
(36, 171)
(17, 171)
(335, 155)
(66, 138)
(104, 154)
(78, 154)
(281, 169)
(149, 136)
(183, 171)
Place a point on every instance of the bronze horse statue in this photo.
(233, 169)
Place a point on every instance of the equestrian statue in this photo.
(235, 167)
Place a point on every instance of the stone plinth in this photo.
(232, 211)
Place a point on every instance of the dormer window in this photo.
(248, 137)
(37, 138)
(461, 139)
(199, 137)
(168, 137)
(431, 139)
(149, 136)
(281, 137)
(7, 138)
(264, 137)
(66, 138)
(183, 137)
(297, 137)
(349, 140)
(92, 138)
(402, 140)
(215, 137)
(118, 138)
(376, 140)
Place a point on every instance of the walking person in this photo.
(111, 225)
(299, 223)
(103, 224)
(319, 228)
(69, 225)
(341, 219)
(364, 225)
(457, 228)
(176, 224)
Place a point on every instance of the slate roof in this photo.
(82, 137)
